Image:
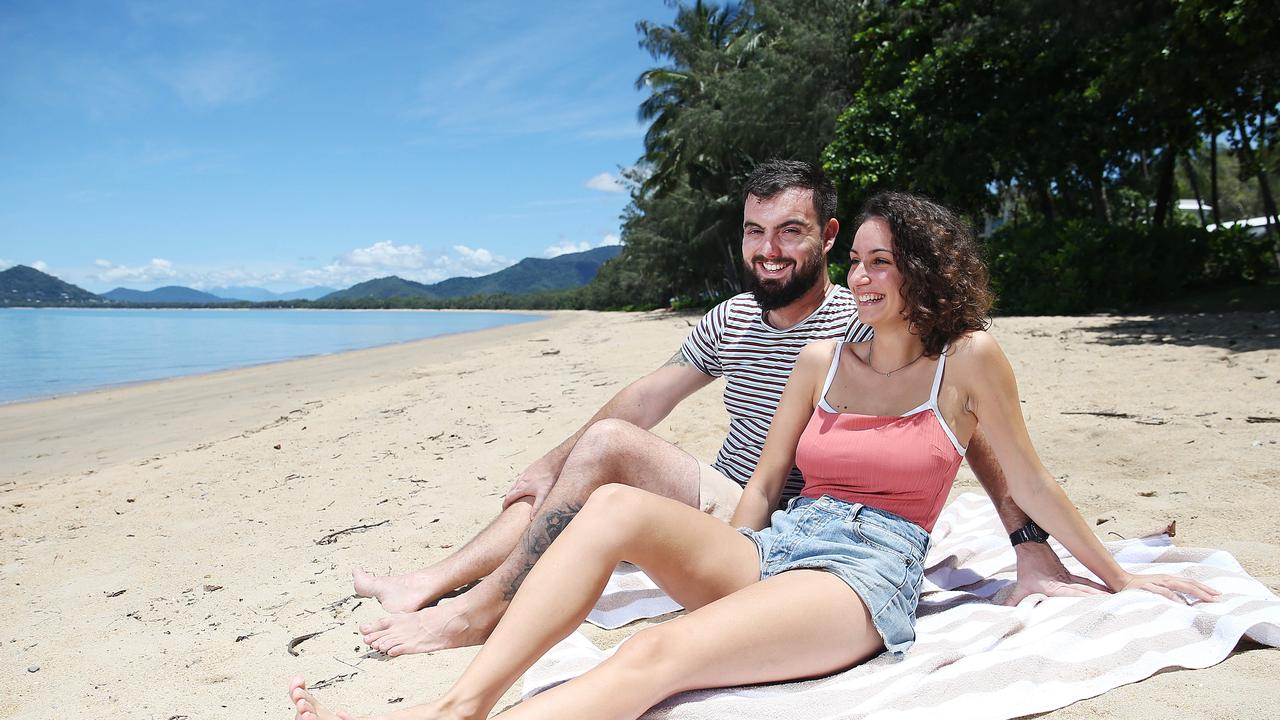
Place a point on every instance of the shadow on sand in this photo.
(1234, 332)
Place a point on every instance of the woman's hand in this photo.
(1169, 586)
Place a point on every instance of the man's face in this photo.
(783, 246)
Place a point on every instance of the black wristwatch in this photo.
(1031, 532)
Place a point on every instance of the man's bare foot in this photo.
(307, 708)
(400, 593)
(456, 624)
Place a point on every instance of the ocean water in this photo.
(54, 351)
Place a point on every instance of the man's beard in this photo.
(772, 294)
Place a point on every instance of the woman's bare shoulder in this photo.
(818, 350)
(977, 350)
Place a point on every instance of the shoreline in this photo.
(161, 539)
(130, 383)
(21, 420)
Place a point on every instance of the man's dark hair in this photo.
(773, 176)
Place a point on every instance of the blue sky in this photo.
(282, 144)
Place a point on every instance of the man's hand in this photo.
(535, 482)
(1041, 571)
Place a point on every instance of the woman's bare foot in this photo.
(307, 708)
(400, 593)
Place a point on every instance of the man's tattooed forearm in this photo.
(544, 531)
(678, 360)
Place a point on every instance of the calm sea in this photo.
(53, 351)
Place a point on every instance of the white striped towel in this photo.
(973, 659)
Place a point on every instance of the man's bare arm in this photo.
(643, 403)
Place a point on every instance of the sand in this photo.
(159, 540)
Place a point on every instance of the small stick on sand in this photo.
(333, 536)
(294, 643)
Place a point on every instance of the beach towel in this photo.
(972, 658)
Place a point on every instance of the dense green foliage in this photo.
(1081, 265)
(1074, 126)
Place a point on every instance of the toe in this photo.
(376, 625)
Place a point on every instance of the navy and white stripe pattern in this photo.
(755, 359)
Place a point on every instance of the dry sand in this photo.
(159, 541)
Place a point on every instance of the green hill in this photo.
(381, 288)
(171, 294)
(25, 286)
(527, 276)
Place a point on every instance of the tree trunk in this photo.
(1213, 178)
(1046, 202)
(1098, 191)
(1195, 186)
(1268, 203)
(1164, 187)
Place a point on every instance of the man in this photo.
(789, 226)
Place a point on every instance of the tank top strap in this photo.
(831, 374)
(937, 377)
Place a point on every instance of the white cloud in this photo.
(477, 261)
(158, 270)
(604, 182)
(411, 262)
(6, 264)
(40, 265)
(566, 246)
(386, 256)
(222, 78)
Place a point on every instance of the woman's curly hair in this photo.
(944, 280)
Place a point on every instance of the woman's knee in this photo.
(655, 652)
(612, 508)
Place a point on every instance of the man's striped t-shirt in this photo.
(755, 359)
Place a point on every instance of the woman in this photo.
(878, 428)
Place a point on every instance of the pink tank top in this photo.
(903, 464)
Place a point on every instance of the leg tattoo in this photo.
(538, 538)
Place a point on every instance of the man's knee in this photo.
(605, 447)
(609, 436)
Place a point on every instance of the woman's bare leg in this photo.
(798, 624)
(696, 558)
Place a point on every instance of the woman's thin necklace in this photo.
(871, 347)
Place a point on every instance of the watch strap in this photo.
(1031, 532)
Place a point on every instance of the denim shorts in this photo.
(876, 553)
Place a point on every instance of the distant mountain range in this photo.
(527, 276)
(25, 286)
(257, 294)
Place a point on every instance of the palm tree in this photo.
(704, 42)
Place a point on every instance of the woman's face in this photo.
(874, 276)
